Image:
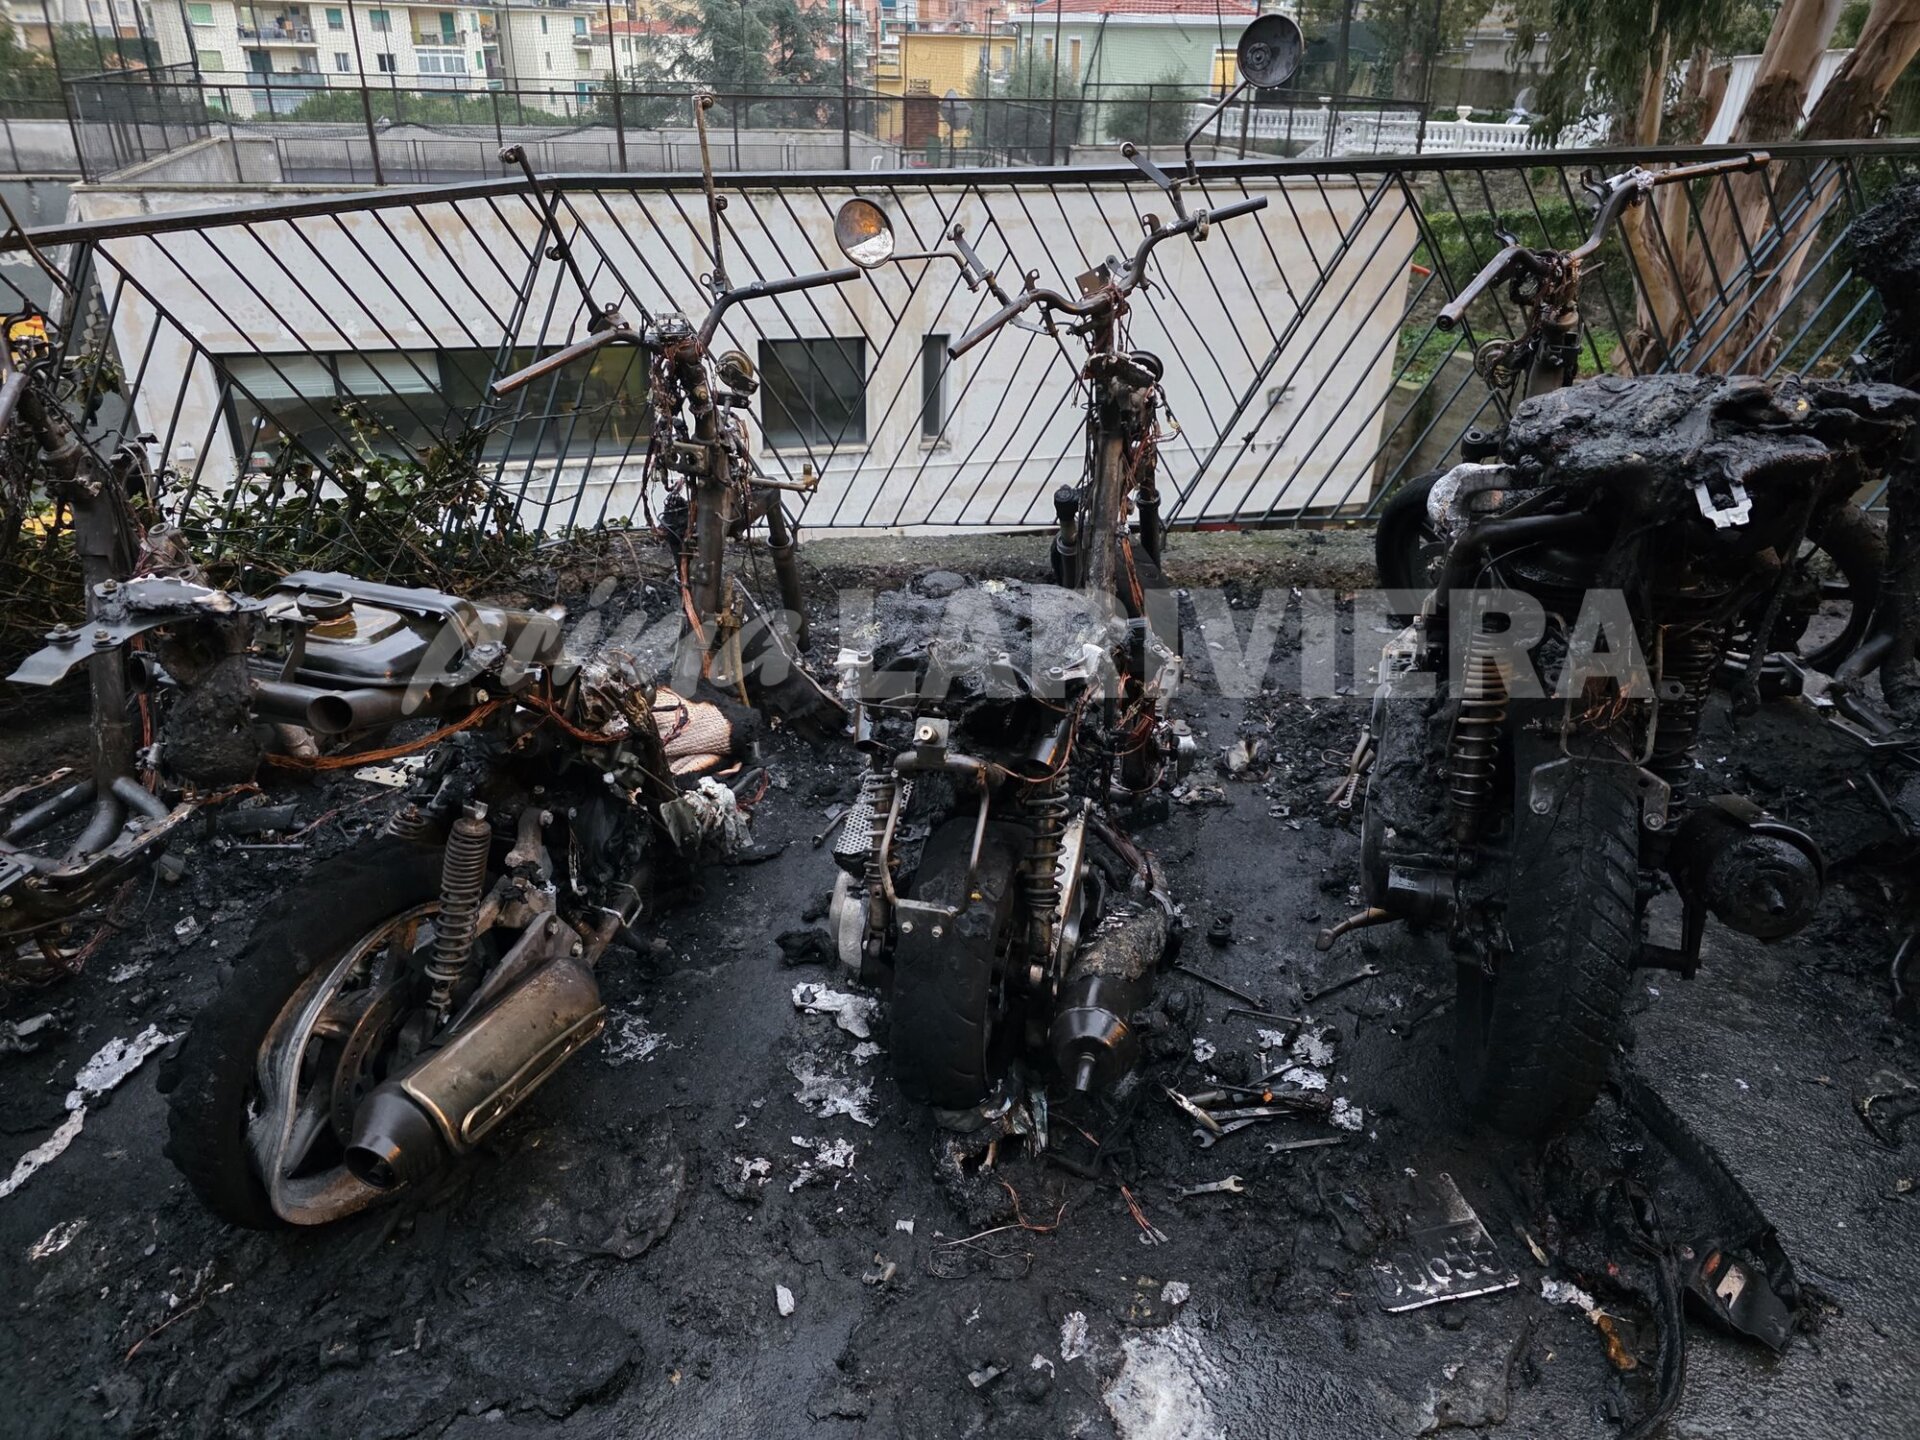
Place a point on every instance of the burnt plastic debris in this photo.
(1738, 1296)
(1451, 1257)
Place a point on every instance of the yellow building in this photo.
(921, 67)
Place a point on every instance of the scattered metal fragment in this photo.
(1295, 1020)
(1232, 1185)
(109, 1065)
(1885, 1103)
(1209, 1138)
(984, 1376)
(1217, 983)
(882, 1272)
(1366, 972)
(16, 1036)
(1282, 1147)
(783, 1299)
(1372, 915)
(1220, 932)
(852, 1013)
(834, 816)
(1201, 1117)
(1453, 1259)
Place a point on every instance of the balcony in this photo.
(454, 39)
(278, 34)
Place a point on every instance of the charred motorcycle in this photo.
(987, 879)
(1535, 730)
(390, 1010)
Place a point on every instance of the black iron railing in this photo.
(297, 354)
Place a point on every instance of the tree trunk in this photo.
(1736, 211)
(1849, 108)
(1778, 99)
(1850, 105)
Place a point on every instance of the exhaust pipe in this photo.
(1092, 1036)
(335, 712)
(448, 1100)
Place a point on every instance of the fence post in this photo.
(366, 100)
(613, 74)
(846, 99)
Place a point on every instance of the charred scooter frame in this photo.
(1536, 826)
(699, 441)
(984, 877)
(127, 824)
(1828, 608)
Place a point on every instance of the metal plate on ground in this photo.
(1451, 1259)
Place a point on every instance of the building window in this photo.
(336, 19)
(933, 387)
(580, 25)
(379, 21)
(814, 391)
(385, 63)
(543, 24)
(597, 409)
(212, 62)
(200, 14)
(1073, 57)
(342, 62)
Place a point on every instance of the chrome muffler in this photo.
(446, 1101)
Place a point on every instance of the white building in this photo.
(260, 58)
(272, 323)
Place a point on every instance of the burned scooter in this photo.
(395, 1005)
(986, 876)
(1618, 539)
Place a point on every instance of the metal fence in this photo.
(299, 353)
(411, 129)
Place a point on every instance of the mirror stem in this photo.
(1232, 95)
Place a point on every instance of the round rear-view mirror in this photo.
(1269, 52)
(864, 233)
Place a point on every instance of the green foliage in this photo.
(1415, 34)
(751, 45)
(1157, 114)
(1846, 31)
(1020, 120)
(431, 520)
(1597, 54)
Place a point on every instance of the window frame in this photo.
(933, 388)
(194, 11)
(848, 351)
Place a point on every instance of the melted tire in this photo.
(943, 1018)
(211, 1082)
(1534, 1043)
(1398, 536)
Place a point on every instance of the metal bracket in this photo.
(1548, 785)
(1737, 511)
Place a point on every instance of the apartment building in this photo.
(258, 58)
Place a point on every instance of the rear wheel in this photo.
(948, 989)
(1535, 1038)
(261, 1096)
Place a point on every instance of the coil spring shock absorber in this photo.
(1688, 658)
(1047, 808)
(463, 877)
(409, 822)
(1473, 748)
